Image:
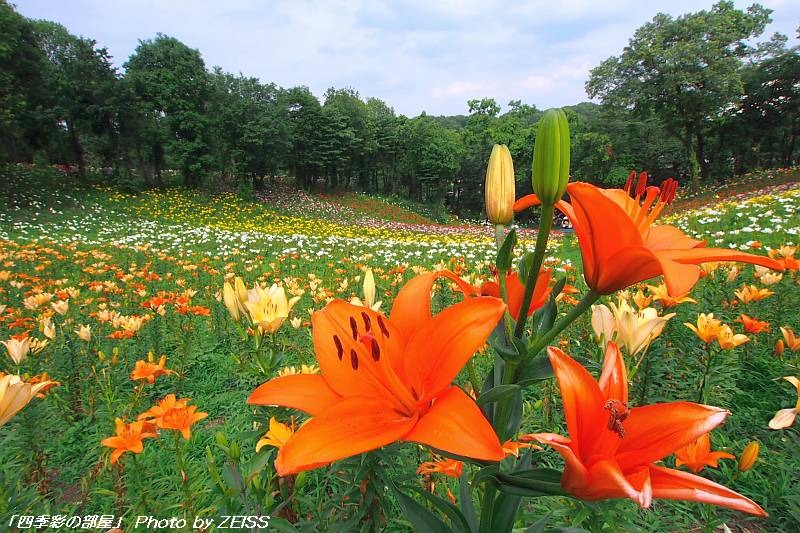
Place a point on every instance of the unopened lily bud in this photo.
(749, 456)
(499, 191)
(779, 348)
(241, 290)
(229, 298)
(551, 157)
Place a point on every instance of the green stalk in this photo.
(504, 407)
(585, 303)
(542, 236)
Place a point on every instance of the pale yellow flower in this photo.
(61, 307)
(728, 340)
(84, 333)
(270, 308)
(370, 293)
(707, 328)
(17, 349)
(48, 328)
(278, 434)
(785, 417)
(637, 329)
(16, 394)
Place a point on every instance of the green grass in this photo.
(57, 234)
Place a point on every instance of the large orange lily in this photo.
(516, 291)
(385, 380)
(620, 245)
(612, 450)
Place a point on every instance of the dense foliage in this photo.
(143, 272)
(687, 96)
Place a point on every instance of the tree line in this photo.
(688, 97)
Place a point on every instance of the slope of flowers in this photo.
(118, 298)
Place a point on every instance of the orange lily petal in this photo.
(412, 307)
(666, 237)
(653, 432)
(613, 380)
(456, 425)
(676, 485)
(349, 427)
(343, 359)
(440, 349)
(307, 392)
(525, 202)
(581, 398)
(575, 469)
(679, 278)
(608, 481)
(695, 256)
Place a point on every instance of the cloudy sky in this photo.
(429, 55)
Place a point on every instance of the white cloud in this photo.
(415, 55)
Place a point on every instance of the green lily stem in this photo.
(487, 508)
(586, 302)
(188, 504)
(701, 394)
(499, 235)
(504, 407)
(507, 319)
(473, 377)
(545, 225)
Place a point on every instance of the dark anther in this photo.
(376, 350)
(618, 414)
(339, 348)
(383, 327)
(354, 328)
(367, 321)
(354, 359)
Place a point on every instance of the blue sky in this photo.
(430, 55)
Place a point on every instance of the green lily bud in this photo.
(551, 157)
(499, 190)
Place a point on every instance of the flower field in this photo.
(139, 353)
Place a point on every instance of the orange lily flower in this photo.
(660, 294)
(792, 340)
(752, 325)
(128, 438)
(751, 293)
(620, 246)
(697, 455)
(612, 449)
(150, 371)
(385, 380)
(516, 292)
(708, 328)
(170, 413)
(181, 419)
(448, 467)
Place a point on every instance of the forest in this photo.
(703, 96)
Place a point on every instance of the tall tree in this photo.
(23, 92)
(83, 84)
(685, 70)
(170, 84)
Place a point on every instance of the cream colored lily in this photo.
(603, 324)
(84, 333)
(17, 349)
(16, 394)
(269, 309)
(785, 417)
(370, 293)
(632, 329)
(235, 297)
